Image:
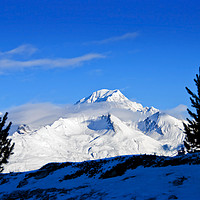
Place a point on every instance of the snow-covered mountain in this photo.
(105, 95)
(164, 128)
(117, 99)
(105, 124)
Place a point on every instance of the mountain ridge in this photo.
(102, 132)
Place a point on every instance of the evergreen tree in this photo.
(6, 147)
(192, 128)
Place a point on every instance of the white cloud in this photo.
(25, 49)
(41, 114)
(35, 115)
(126, 36)
(6, 64)
(179, 112)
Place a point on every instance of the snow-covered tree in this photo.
(192, 128)
(6, 147)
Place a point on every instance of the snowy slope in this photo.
(79, 139)
(106, 124)
(164, 128)
(122, 178)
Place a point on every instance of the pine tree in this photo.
(6, 147)
(192, 128)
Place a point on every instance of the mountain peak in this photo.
(104, 95)
(111, 96)
(163, 127)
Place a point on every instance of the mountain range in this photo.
(105, 124)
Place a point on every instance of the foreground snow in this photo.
(127, 177)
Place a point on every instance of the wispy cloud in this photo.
(126, 36)
(179, 112)
(25, 49)
(36, 115)
(8, 64)
(41, 114)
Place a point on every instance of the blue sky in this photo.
(61, 51)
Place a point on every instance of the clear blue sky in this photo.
(60, 51)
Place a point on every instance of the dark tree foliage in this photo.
(6, 147)
(192, 128)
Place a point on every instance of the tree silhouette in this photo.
(6, 147)
(192, 128)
